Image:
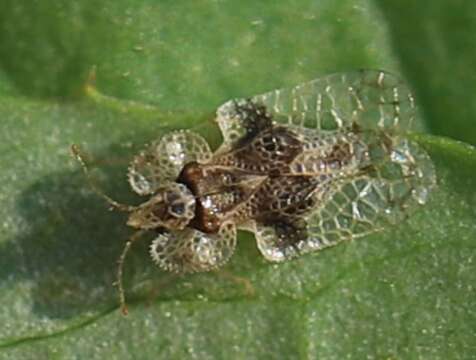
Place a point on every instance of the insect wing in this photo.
(384, 194)
(190, 250)
(365, 201)
(369, 98)
(241, 119)
(163, 160)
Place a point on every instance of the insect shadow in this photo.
(70, 246)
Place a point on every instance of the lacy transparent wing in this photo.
(368, 98)
(383, 195)
(239, 119)
(368, 200)
(190, 250)
(163, 160)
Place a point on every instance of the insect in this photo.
(303, 168)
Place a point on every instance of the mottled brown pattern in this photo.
(269, 150)
(303, 168)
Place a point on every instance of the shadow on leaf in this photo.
(71, 245)
(72, 242)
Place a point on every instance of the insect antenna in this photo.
(77, 153)
(120, 267)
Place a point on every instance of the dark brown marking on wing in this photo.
(285, 196)
(255, 119)
(340, 155)
(271, 150)
(289, 232)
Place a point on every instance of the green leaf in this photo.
(436, 48)
(406, 293)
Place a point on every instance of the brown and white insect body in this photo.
(302, 168)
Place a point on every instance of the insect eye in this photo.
(177, 208)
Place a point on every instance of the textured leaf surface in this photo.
(405, 293)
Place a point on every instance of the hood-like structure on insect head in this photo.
(171, 207)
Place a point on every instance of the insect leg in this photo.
(240, 280)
